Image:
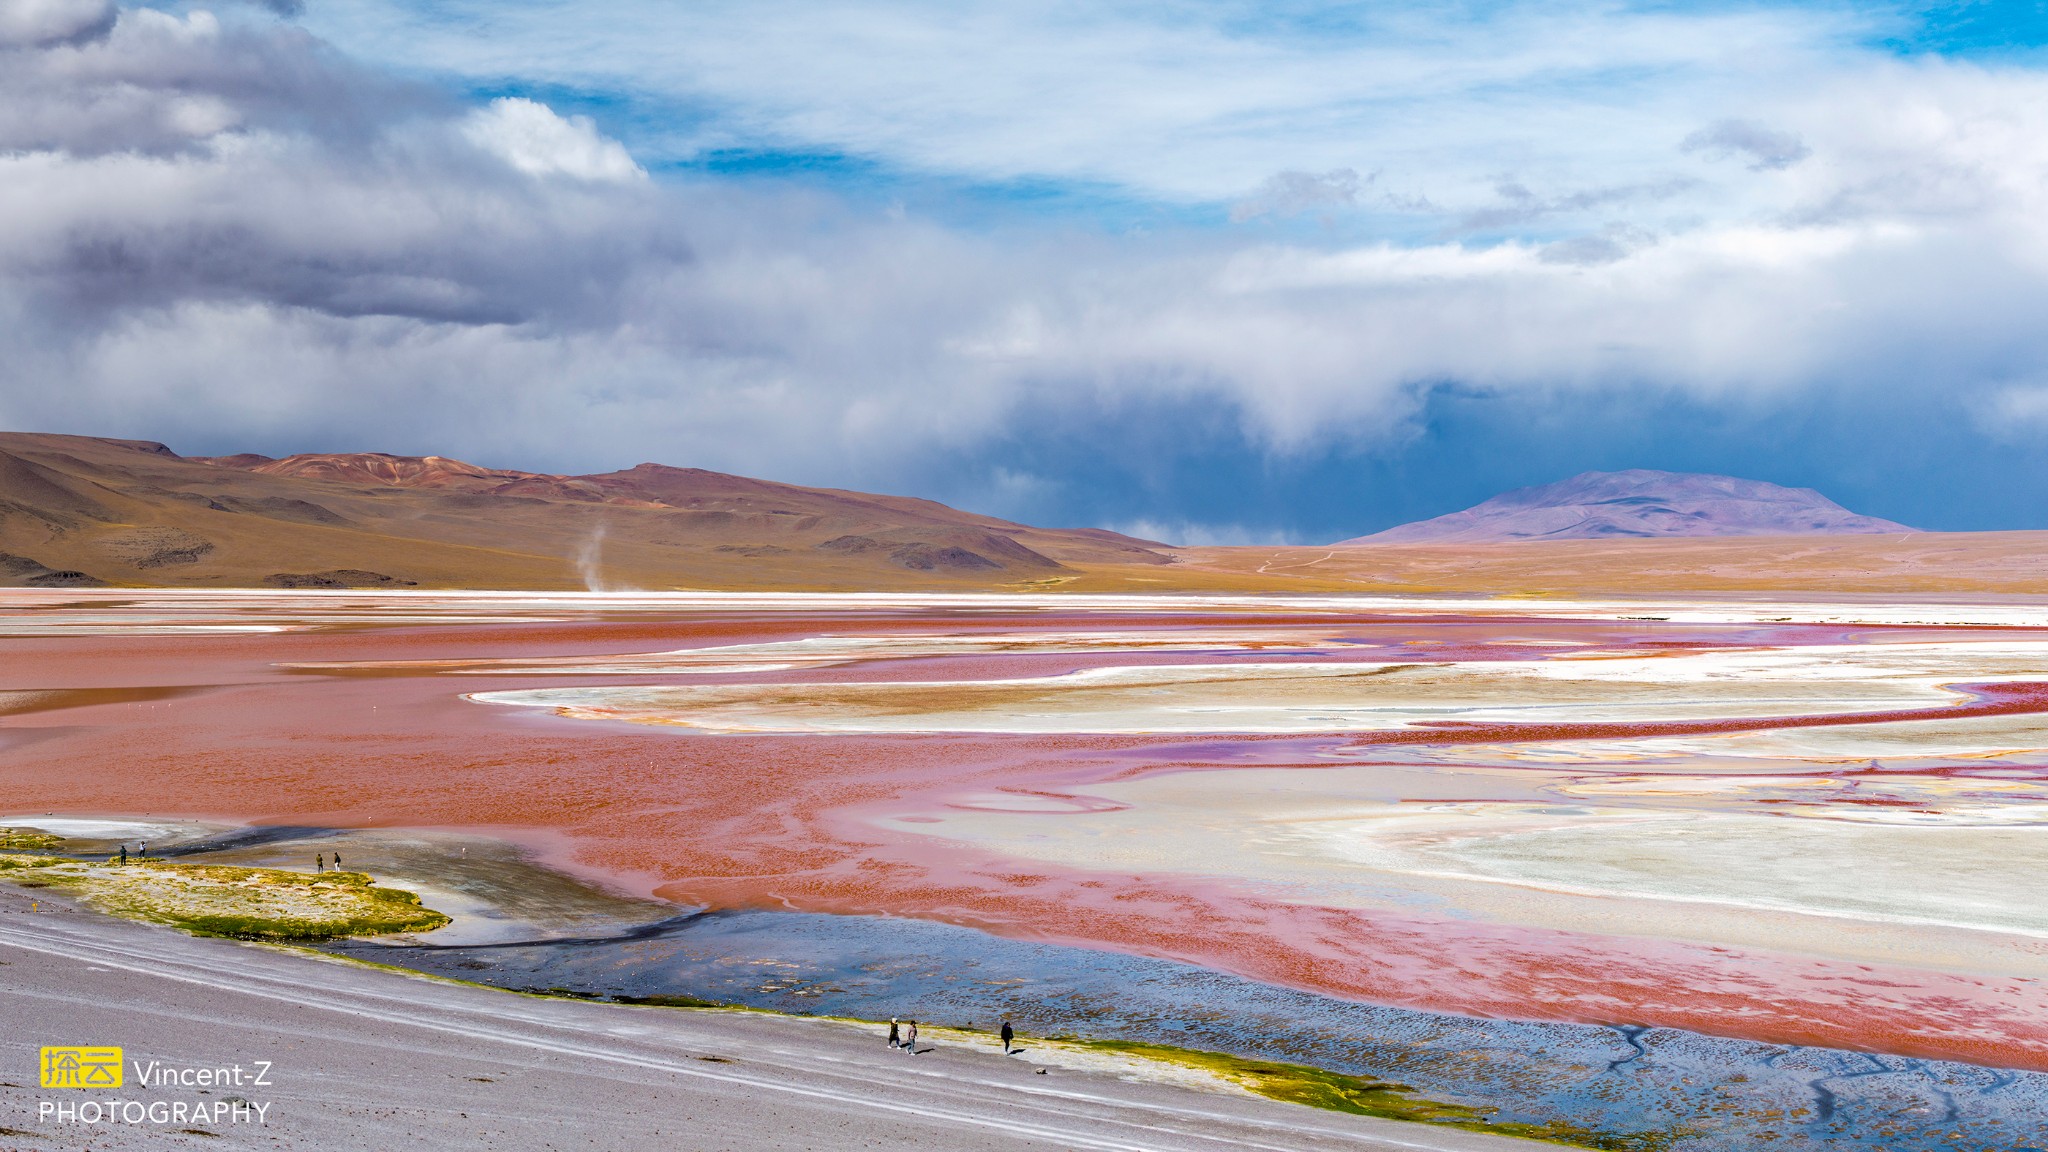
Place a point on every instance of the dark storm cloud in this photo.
(179, 162)
(43, 23)
(158, 85)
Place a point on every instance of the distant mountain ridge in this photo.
(1640, 502)
(77, 511)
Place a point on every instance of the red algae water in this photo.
(1805, 825)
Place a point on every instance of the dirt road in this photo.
(351, 1057)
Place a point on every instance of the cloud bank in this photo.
(219, 230)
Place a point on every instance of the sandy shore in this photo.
(365, 1058)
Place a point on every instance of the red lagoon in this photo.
(211, 727)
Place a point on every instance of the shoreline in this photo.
(1160, 1064)
(361, 1059)
(559, 960)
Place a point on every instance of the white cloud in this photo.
(1174, 102)
(2014, 412)
(1192, 535)
(1287, 194)
(1765, 149)
(533, 139)
(308, 253)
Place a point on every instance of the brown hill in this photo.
(77, 510)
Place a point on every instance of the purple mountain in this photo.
(1640, 502)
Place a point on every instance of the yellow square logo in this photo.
(81, 1067)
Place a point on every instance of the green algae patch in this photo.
(27, 840)
(1362, 1096)
(243, 903)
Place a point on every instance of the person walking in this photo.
(895, 1033)
(910, 1038)
(1009, 1034)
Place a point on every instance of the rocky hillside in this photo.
(78, 511)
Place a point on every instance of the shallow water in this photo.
(1786, 824)
(1735, 1096)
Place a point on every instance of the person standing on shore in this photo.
(910, 1038)
(895, 1034)
(319, 861)
(337, 861)
(124, 853)
(1009, 1034)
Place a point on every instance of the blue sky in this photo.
(1215, 271)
